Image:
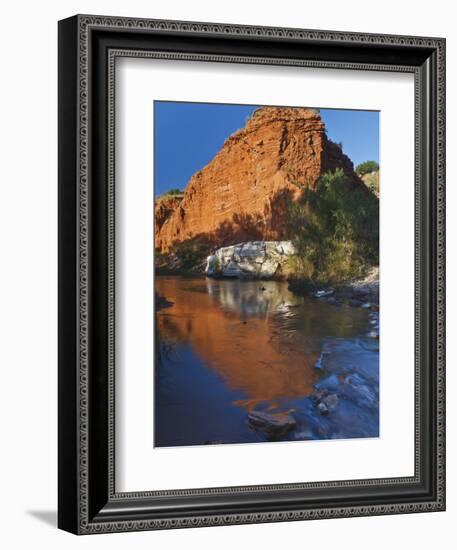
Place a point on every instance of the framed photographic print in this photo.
(251, 274)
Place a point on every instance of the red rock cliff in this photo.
(164, 208)
(240, 195)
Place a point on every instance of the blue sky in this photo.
(188, 135)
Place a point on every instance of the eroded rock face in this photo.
(241, 195)
(164, 207)
(257, 259)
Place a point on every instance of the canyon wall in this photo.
(241, 195)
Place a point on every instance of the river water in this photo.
(225, 348)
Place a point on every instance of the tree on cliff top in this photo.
(172, 192)
(367, 167)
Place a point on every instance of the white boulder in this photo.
(254, 259)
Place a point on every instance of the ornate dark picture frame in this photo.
(88, 47)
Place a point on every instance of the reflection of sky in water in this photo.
(261, 298)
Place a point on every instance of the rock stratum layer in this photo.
(241, 195)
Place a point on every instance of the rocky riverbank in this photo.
(363, 293)
(359, 293)
(344, 402)
(363, 290)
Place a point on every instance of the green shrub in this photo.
(299, 266)
(190, 253)
(335, 229)
(367, 167)
(172, 192)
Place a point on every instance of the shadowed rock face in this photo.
(243, 190)
(164, 208)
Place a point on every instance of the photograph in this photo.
(251, 271)
(266, 279)
(226, 285)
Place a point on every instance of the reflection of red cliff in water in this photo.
(250, 354)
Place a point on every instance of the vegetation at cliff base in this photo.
(335, 229)
(190, 253)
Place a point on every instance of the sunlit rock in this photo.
(243, 191)
(255, 259)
